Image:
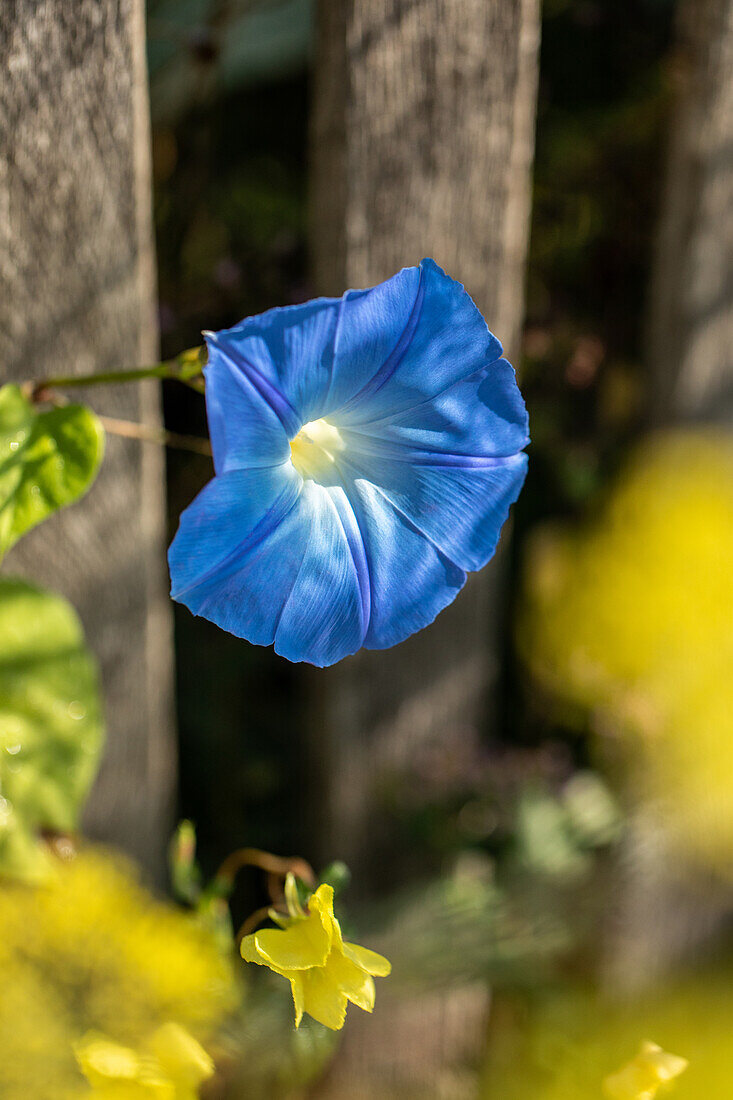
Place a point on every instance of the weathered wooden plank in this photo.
(423, 135)
(690, 347)
(77, 294)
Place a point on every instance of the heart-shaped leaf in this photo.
(50, 722)
(47, 460)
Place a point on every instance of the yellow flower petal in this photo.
(103, 1061)
(296, 985)
(292, 900)
(368, 960)
(323, 1000)
(355, 984)
(248, 950)
(304, 944)
(170, 1066)
(180, 1056)
(321, 902)
(666, 1066)
(640, 1079)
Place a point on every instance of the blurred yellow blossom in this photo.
(561, 1043)
(324, 972)
(170, 1066)
(630, 619)
(92, 950)
(640, 1079)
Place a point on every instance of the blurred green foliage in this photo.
(50, 724)
(261, 1055)
(50, 710)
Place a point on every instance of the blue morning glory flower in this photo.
(367, 449)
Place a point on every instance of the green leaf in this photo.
(50, 723)
(47, 460)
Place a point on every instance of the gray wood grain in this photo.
(690, 348)
(422, 143)
(77, 294)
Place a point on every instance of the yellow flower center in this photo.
(315, 448)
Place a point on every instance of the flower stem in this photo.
(147, 433)
(185, 368)
(249, 925)
(273, 865)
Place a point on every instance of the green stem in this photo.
(149, 433)
(185, 368)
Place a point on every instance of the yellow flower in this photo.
(640, 1079)
(628, 619)
(93, 950)
(561, 1043)
(170, 1066)
(323, 971)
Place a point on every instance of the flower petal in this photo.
(411, 580)
(248, 950)
(322, 998)
(482, 416)
(321, 902)
(319, 355)
(459, 509)
(326, 615)
(103, 1061)
(374, 325)
(286, 567)
(355, 984)
(252, 502)
(182, 1058)
(370, 961)
(440, 339)
(288, 353)
(246, 431)
(304, 944)
(296, 986)
(368, 354)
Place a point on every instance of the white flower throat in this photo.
(315, 449)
